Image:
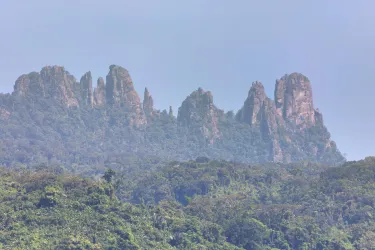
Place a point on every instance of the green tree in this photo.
(108, 175)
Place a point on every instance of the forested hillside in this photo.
(202, 204)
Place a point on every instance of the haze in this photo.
(174, 47)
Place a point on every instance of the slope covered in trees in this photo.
(50, 210)
(198, 204)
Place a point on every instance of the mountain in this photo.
(52, 118)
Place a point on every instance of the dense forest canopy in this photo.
(202, 204)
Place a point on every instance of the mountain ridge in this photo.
(285, 129)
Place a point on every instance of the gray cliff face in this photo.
(52, 82)
(260, 111)
(294, 100)
(120, 92)
(29, 84)
(199, 108)
(55, 83)
(269, 126)
(86, 89)
(120, 88)
(100, 93)
(290, 115)
(251, 111)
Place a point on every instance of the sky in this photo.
(173, 47)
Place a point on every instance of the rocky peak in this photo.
(197, 105)
(294, 99)
(199, 109)
(120, 88)
(120, 91)
(251, 110)
(29, 84)
(53, 82)
(148, 103)
(259, 110)
(100, 93)
(58, 84)
(86, 89)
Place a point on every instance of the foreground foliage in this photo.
(199, 204)
(45, 210)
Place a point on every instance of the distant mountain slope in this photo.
(52, 118)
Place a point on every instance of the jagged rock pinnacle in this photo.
(100, 93)
(53, 82)
(198, 108)
(86, 89)
(294, 99)
(120, 91)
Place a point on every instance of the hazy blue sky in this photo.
(173, 47)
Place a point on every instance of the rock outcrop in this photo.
(198, 109)
(258, 110)
(58, 84)
(86, 89)
(269, 127)
(53, 82)
(25, 84)
(294, 100)
(120, 89)
(290, 115)
(120, 92)
(251, 112)
(100, 93)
